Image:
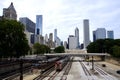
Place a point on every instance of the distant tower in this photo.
(72, 41)
(94, 36)
(56, 39)
(29, 24)
(110, 34)
(55, 35)
(100, 33)
(39, 23)
(46, 38)
(86, 33)
(77, 36)
(10, 12)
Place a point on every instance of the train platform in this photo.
(78, 73)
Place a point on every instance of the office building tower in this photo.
(39, 24)
(65, 44)
(110, 34)
(55, 34)
(39, 39)
(10, 12)
(56, 39)
(86, 33)
(100, 33)
(72, 42)
(77, 36)
(50, 41)
(29, 25)
(46, 38)
(94, 36)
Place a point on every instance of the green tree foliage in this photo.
(105, 45)
(59, 49)
(40, 49)
(116, 51)
(13, 40)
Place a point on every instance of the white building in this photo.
(39, 39)
(72, 41)
(86, 33)
(65, 44)
(28, 36)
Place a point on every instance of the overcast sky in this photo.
(66, 15)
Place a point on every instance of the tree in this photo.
(59, 49)
(116, 51)
(40, 49)
(105, 45)
(13, 40)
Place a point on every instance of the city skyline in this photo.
(65, 15)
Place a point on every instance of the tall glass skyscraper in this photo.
(29, 25)
(100, 33)
(39, 24)
(77, 35)
(86, 33)
(110, 34)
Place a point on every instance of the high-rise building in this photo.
(56, 39)
(72, 42)
(65, 44)
(94, 36)
(29, 25)
(77, 36)
(55, 34)
(39, 24)
(46, 39)
(100, 33)
(110, 34)
(10, 12)
(86, 33)
(50, 41)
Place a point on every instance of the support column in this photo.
(21, 69)
(92, 63)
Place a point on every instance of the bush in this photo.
(59, 49)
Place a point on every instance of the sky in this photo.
(66, 15)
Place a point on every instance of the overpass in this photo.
(80, 54)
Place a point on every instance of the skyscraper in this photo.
(86, 33)
(39, 24)
(94, 36)
(110, 34)
(72, 41)
(10, 12)
(77, 36)
(55, 35)
(29, 25)
(56, 39)
(100, 33)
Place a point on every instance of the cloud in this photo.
(66, 15)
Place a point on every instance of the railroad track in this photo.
(104, 74)
(87, 72)
(15, 74)
(66, 70)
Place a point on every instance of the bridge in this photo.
(80, 54)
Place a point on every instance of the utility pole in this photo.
(21, 69)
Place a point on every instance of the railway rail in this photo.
(87, 72)
(104, 74)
